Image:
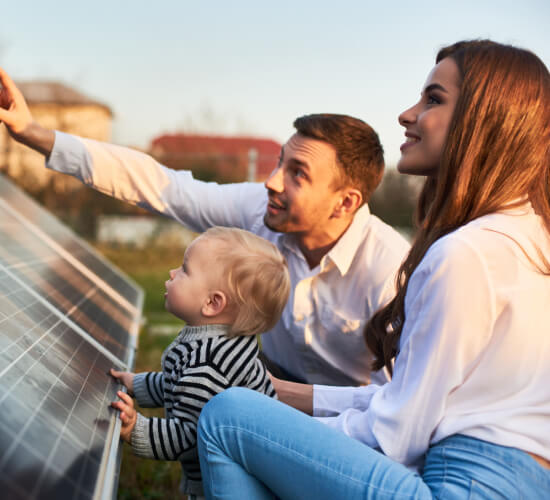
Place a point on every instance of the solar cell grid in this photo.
(65, 239)
(65, 287)
(61, 329)
(56, 383)
(23, 244)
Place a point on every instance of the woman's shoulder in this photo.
(473, 237)
(496, 237)
(460, 249)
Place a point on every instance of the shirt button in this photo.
(299, 317)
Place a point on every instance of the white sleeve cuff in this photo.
(70, 156)
(329, 401)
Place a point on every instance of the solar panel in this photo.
(66, 317)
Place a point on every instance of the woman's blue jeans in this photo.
(254, 447)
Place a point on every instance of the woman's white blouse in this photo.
(474, 355)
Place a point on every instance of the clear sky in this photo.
(251, 67)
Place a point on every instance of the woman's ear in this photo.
(215, 304)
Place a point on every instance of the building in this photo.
(59, 107)
(220, 158)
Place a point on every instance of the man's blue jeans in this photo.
(254, 447)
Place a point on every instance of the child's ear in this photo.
(214, 304)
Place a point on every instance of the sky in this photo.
(251, 67)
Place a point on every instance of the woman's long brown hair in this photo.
(496, 153)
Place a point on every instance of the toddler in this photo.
(231, 286)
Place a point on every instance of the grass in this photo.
(142, 479)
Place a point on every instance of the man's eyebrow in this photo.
(435, 86)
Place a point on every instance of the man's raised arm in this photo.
(17, 117)
(132, 176)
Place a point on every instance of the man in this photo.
(342, 260)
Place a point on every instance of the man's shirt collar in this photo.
(342, 254)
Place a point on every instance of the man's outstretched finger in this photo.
(7, 82)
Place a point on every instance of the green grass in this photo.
(141, 478)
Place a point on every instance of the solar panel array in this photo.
(66, 317)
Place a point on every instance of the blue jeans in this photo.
(254, 447)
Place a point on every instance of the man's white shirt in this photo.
(319, 337)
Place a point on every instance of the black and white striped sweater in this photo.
(201, 362)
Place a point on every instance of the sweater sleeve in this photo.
(168, 438)
(149, 390)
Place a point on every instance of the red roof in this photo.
(223, 148)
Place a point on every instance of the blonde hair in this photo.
(256, 279)
(496, 155)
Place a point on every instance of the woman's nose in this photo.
(408, 116)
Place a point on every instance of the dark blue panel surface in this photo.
(63, 236)
(54, 401)
(66, 318)
(75, 294)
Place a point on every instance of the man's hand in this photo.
(14, 111)
(128, 415)
(17, 117)
(125, 378)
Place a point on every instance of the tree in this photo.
(395, 199)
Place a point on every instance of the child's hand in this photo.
(128, 415)
(125, 378)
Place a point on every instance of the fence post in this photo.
(252, 157)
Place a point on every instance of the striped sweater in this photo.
(201, 362)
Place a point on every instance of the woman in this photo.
(467, 412)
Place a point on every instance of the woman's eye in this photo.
(433, 100)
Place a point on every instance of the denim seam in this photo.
(444, 478)
(210, 482)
